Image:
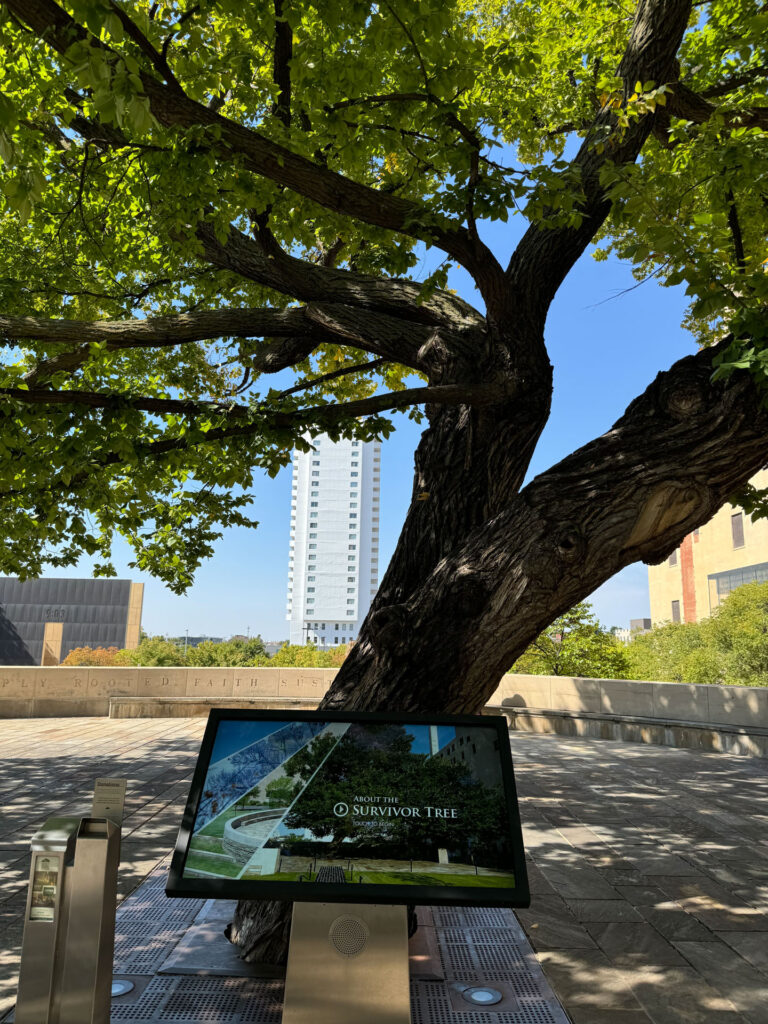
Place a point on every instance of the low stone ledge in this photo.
(704, 736)
(55, 707)
(196, 707)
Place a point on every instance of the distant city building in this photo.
(195, 641)
(725, 553)
(273, 646)
(41, 621)
(635, 626)
(333, 570)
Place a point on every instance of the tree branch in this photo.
(153, 332)
(614, 501)
(301, 328)
(373, 364)
(378, 100)
(691, 106)
(309, 282)
(736, 235)
(545, 255)
(157, 60)
(302, 335)
(256, 152)
(283, 55)
(734, 82)
(259, 417)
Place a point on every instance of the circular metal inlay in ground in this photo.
(482, 996)
(121, 988)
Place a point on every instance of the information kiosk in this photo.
(352, 815)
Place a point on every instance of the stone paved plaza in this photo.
(648, 865)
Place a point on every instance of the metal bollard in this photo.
(53, 849)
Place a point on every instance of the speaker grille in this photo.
(348, 935)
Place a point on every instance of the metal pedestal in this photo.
(69, 927)
(347, 964)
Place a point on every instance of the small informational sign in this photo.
(45, 887)
(109, 800)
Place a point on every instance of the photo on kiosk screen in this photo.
(375, 802)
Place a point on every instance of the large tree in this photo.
(198, 195)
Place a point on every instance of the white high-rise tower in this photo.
(334, 557)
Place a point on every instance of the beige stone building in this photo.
(712, 561)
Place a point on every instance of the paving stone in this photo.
(752, 946)
(623, 876)
(549, 924)
(603, 910)
(679, 995)
(577, 883)
(671, 921)
(594, 813)
(731, 915)
(586, 981)
(638, 941)
(586, 1015)
(728, 972)
(652, 864)
(537, 883)
(642, 895)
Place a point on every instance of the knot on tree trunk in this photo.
(468, 594)
(684, 400)
(668, 513)
(570, 542)
(386, 625)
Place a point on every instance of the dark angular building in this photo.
(41, 621)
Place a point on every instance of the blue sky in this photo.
(607, 340)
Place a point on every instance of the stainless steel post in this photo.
(89, 942)
(347, 964)
(45, 921)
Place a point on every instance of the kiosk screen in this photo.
(352, 807)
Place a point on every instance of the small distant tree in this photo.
(737, 636)
(730, 647)
(98, 656)
(302, 656)
(339, 654)
(575, 645)
(228, 653)
(152, 652)
(675, 652)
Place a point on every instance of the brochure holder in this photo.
(347, 964)
(53, 849)
(69, 927)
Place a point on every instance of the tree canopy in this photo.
(196, 196)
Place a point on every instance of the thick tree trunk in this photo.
(481, 568)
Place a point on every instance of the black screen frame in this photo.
(328, 892)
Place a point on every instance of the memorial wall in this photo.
(32, 692)
(145, 692)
